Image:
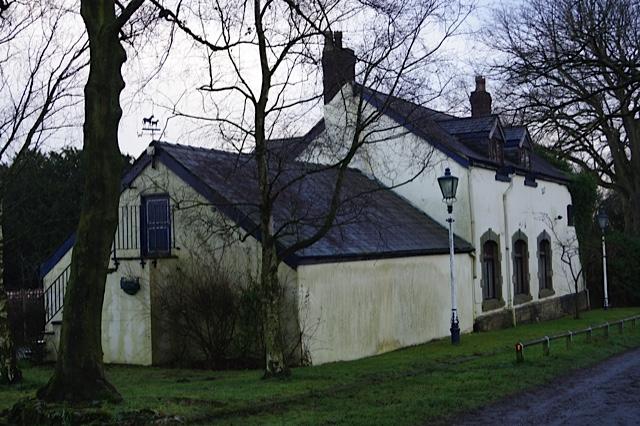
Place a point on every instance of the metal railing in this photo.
(128, 232)
(545, 341)
(54, 295)
(126, 238)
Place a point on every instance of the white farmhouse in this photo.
(379, 280)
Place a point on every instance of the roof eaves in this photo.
(52, 261)
(340, 258)
(544, 176)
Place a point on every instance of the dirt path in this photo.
(607, 394)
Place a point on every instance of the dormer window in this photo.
(496, 150)
(525, 158)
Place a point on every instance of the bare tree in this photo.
(571, 257)
(571, 68)
(4, 5)
(38, 78)
(283, 38)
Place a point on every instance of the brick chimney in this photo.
(480, 99)
(338, 65)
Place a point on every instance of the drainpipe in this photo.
(472, 226)
(508, 253)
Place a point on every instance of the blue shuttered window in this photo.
(156, 225)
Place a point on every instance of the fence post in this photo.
(606, 330)
(519, 352)
(569, 339)
(545, 346)
(589, 332)
(621, 329)
(633, 323)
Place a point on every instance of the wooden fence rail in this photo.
(569, 336)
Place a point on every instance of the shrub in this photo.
(623, 269)
(211, 315)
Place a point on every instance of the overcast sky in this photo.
(184, 71)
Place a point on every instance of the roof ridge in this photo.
(469, 118)
(315, 166)
(197, 148)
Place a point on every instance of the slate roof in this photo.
(372, 222)
(465, 140)
(513, 136)
(413, 112)
(469, 125)
(290, 148)
(542, 167)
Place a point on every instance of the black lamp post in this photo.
(603, 222)
(449, 185)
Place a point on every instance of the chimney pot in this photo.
(338, 39)
(338, 65)
(480, 99)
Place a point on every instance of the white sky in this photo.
(184, 71)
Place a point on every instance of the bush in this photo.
(623, 269)
(212, 316)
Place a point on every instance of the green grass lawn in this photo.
(427, 382)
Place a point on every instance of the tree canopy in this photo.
(570, 68)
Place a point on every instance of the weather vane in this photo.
(149, 126)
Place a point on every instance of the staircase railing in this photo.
(54, 295)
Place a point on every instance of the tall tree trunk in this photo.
(9, 372)
(79, 373)
(275, 363)
(272, 328)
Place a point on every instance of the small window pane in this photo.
(490, 270)
(544, 264)
(520, 267)
(570, 218)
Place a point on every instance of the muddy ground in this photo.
(606, 394)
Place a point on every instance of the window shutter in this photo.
(157, 225)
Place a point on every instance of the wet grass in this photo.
(424, 383)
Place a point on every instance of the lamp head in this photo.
(448, 186)
(603, 220)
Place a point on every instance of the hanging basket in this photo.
(130, 285)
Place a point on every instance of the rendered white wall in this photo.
(364, 308)
(393, 157)
(529, 210)
(397, 158)
(127, 320)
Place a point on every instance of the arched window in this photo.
(545, 269)
(490, 260)
(520, 267)
(490, 270)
